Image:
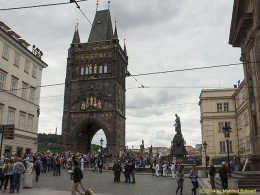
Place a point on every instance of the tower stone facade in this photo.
(94, 96)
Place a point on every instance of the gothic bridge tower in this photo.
(94, 96)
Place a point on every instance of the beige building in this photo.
(20, 78)
(243, 128)
(217, 106)
(245, 33)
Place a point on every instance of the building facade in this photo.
(245, 33)
(242, 118)
(94, 97)
(217, 106)
(20, 76)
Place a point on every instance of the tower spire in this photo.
(108, 5)
(76, 38)
(97, 5)
(125, 47)
(115, 36)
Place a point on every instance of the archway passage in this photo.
(84, 137)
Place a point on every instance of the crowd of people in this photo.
(12, 167)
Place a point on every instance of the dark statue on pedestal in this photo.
(178, 149)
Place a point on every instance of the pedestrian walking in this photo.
(38, 168)
(157, 168)
(77, 177)
(132, 165)
(164, 168)
(100, 165)
(8, 172)
(193, 177)
(117, 171)
(2, 177)
(17, 172)
(180, 179)
(28, 174)
(223, 175)
(173, 170)
(212, 174)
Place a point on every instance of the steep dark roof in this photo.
(102, 27)
(76, 38)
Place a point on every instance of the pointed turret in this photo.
(115, 36)
(76, 39)
(125, 48)
(102, 27)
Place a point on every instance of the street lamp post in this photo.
(101, 144)
(205, 149)
(226, 130)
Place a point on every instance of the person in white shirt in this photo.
(157, 168)
(173, 170)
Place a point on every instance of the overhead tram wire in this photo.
(36, 6)
(170, 71)
(189, 69)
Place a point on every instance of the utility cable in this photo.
(188, 69)
(36, 6)
(128, 74)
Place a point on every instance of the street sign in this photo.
(9, 131)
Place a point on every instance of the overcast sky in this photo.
(160, 36)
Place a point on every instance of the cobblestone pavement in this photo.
(102, 183)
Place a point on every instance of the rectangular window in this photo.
(32, 94)
(221, 125)
(219, 107)
(22, 121)
(6, 49)
(226, 107)
(30, 123)
(16, 59)
(14, 83)
(222, 148)
(24, 91)
(34, 71)
(27, 66)
(105, 68)
(2, 81)
(86, 70)
(10, 119)
(100, 69)
(82, 71)
(230, 146)
(1, 115)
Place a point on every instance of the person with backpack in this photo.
(17, 172)
(77, 177)
(38, 168)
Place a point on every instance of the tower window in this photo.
(82, 71)
(105, 68)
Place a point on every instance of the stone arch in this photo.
(84, 133)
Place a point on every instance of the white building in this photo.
(20, 78)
